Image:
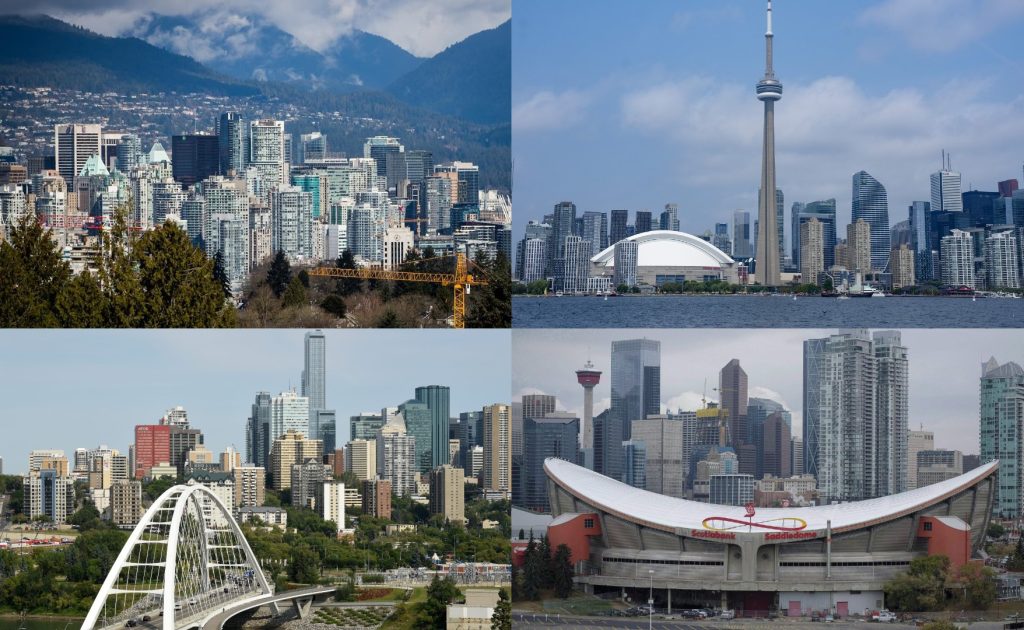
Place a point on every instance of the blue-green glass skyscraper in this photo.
(419, 423)
(1001, 414)
(437, 399)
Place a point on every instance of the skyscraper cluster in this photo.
(248, 189)
(854, 443)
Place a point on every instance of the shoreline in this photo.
(786, 295)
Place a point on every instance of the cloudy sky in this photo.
(637, 108)
(422, 28)
(77, 388)
(945, 366)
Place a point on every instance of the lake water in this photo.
(752, 311)
(39, 624)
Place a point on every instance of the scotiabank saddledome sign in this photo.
(726, 528)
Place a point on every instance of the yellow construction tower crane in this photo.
(461, 280)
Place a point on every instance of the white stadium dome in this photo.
(668, 248)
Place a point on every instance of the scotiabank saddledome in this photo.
(833, 558)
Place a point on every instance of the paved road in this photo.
(541, 620)
(217, 621)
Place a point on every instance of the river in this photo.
(754, 311)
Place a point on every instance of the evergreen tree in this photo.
(502, 617)
(532, 572)
(1016, 561)
(280, 274)
(388, 320)
(346, 286)
(177, 282)
(295, 295)
(124, 303)
(220, 276)
(434, 612)
(334, 304)
(563, 572)
(82, 303)
(547, 576)
(32, 276)
(490, 305)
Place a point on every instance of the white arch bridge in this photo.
(186, 565)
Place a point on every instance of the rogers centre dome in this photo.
(670, 256)
(830, 558)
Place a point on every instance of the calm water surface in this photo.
(751, 311)
(38, 624)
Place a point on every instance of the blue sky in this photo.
(68, 389)
(620, 105)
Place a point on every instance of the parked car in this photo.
(728, 614)
(884, 616)
(829, 618)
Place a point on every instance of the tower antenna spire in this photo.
(769, 90)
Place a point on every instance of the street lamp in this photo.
(650, 602)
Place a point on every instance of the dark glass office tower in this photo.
(194, 157)
(636, 380)
(231, 140)
(619, 226)
(554, 436)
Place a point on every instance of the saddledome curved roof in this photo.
(669, 513)
(668, 248)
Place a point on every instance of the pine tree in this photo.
(280, 274)
(502, 617)
(177, 282)
(334, 304)
(124, 304)
(532, 572)
(295, 295)
(82, 303)
(563, 572)
(220, 276)
(490, 305)
(388, 320)
(547, 576)
(346, 286)
(32, 276)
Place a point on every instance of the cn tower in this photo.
(588, 377)
(769, 90)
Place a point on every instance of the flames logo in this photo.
(724, 523)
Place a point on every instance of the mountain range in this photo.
(238, 55)
(251, 48)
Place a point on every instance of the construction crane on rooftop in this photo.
(461, 280)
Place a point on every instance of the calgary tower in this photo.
(769, 90)
(588, 377)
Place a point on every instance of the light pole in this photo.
(650, 602)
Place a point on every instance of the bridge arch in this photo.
(185, 561)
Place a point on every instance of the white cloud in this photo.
(422, 28)
(549, 110)
(829, 129)
(686, 401)
(942, 25)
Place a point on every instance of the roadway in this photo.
(567, 622)
(218, 620)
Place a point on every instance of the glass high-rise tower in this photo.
(436, 398)
(232, 142)
(871, 203)
(636, 394)
(1001, 414)
(856, 412)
